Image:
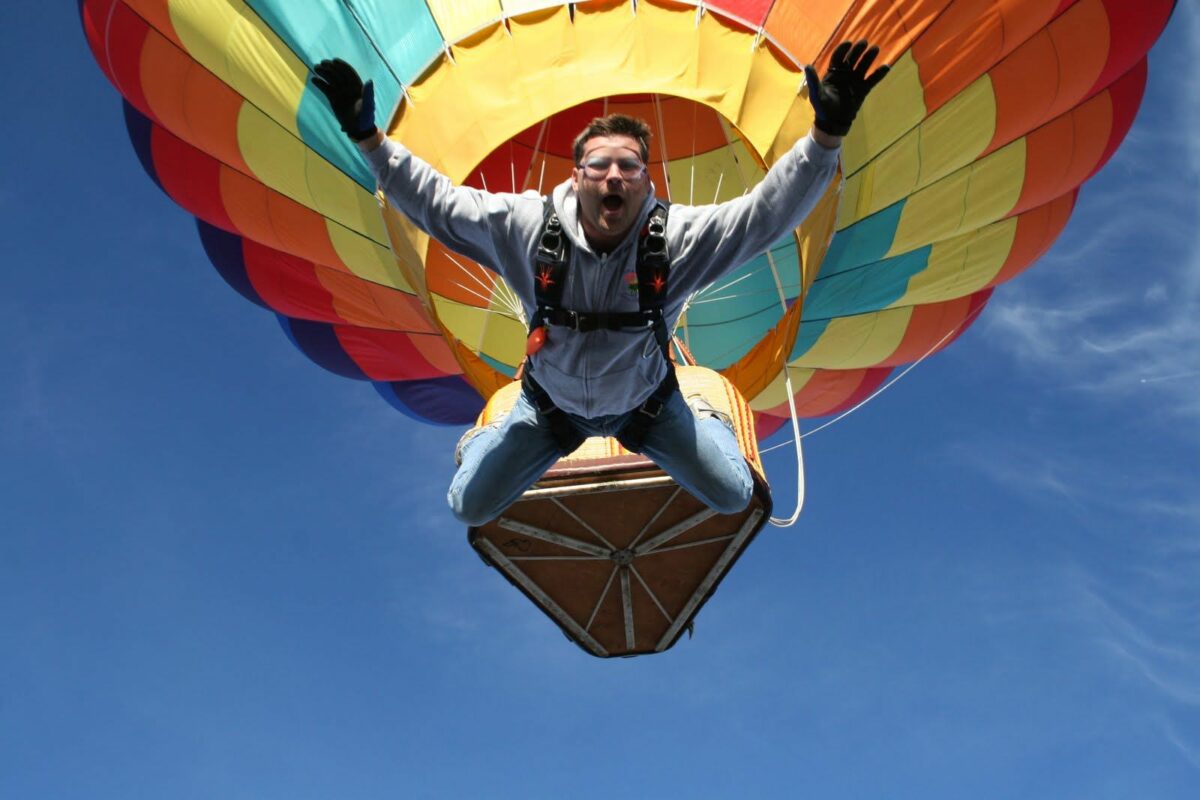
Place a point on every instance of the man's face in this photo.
(611, 183)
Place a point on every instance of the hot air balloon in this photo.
(961, 170)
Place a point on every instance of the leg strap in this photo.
(564, 433)
(634, 432)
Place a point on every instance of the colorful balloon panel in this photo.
(961, 170)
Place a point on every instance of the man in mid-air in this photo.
(602, 270)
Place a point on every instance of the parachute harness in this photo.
(550, 273)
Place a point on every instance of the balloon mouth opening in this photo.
(695, 157)
(693, 149)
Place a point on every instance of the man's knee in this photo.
(732, 495)
(732, 502)
(473, 508)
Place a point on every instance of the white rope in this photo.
(662, 143)
(537, 148)
(512, 166)
(692, 162)
(495, 288)
(487, 310)
(787, 522)
(710, 290)
(782, 522)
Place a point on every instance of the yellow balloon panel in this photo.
(233, 42)
(953, 136)
(896, 107)
(970, 198)
(487, 329)
(496, 88)
(366, 258)
(714, 177)
(962, 265)
(776, 392)
(514, 7)
(863, 340)
(457, 19)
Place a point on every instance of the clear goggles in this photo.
(599, 167)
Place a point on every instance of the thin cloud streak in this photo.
(1072, 319)
(1136, 620)
(1130, 592)
(1089, 483)
(1187, 749)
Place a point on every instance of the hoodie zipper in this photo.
(595, 293)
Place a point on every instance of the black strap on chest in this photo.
(634, 433)
(565, 434)
(653, 274)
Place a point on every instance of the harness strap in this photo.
(653, 266)
(564, 432)
(587, 321)
(550, 265)
(633, 435)
(653, 270)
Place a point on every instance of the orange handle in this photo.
(537, 338)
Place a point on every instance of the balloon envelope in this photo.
(961, 170)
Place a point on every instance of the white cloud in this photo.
(1090, 484)
(1102, 333)
(1128, 575)
(1156, 293)
(37, 415)
(1188, 749)
(1188, 17)
(1136, 621)
(1114, 309)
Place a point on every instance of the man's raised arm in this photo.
(470, 221)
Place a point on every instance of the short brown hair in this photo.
(615, 125)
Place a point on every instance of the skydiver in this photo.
(588, 373)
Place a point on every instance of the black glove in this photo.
(838, 97)
(352, 102)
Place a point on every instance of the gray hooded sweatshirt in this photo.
(603, 372)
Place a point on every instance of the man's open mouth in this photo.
(612, 202)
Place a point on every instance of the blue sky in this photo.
(227, 573)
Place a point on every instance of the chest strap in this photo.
(587, 321)
(550, 276)
(551, 266)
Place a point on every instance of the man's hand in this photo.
(837, 98)
(353, 103)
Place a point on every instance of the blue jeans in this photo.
(504, 459)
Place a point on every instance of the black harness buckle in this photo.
(654, 243)
(653, 267)
(633, 435)
(565, 435)
(652, 407)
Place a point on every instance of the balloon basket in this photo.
(612, 549)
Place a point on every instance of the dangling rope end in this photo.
(787, 522)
